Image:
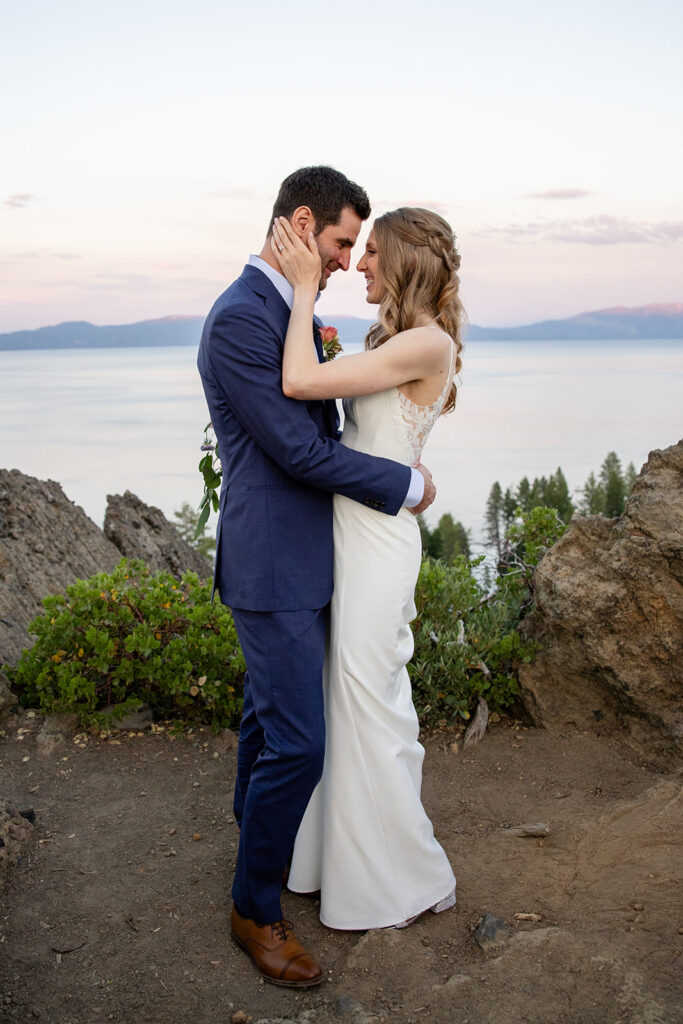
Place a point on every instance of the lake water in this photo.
(101, 421)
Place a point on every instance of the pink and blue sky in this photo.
(143, 143)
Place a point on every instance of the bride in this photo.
(365, 841)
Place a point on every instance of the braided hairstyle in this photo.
(418, 263)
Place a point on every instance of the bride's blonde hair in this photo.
(418, 263)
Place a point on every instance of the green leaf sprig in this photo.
(212, 473)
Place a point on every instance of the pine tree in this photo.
(557, 496)
(509, 507)
(425, 533)
(537, 497)
(186, 522)
(524, 494)
(593, 500)
(612, 480)
(493, 519)
(450, 538)
(453, 538)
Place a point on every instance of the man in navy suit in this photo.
(282, 462)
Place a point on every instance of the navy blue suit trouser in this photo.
(281, 748)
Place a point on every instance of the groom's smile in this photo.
(335, 243)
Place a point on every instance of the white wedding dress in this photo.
(365, 841)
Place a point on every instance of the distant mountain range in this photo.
(662, 321)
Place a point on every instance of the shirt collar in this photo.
(276, 278)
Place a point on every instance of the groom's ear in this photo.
(303, 221)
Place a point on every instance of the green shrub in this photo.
(117, 640)
(131, 637)
(529, 536)
(467, 642)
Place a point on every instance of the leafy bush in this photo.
(528, 538)
(117, 640)
(467, 642)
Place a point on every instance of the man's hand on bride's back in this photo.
(429, 491)
(299, 259)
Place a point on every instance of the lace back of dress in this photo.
(416, 421)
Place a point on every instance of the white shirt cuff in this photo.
(416, 490)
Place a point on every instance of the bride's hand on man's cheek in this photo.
(300, 261)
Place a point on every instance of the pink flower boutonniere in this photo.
(331, 345)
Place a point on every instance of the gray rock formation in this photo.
(142, 531)
(7, 698)
(46, 543)
(16, 827)
(609, 616)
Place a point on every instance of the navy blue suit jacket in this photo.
(281, 459)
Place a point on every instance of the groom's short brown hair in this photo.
(325, 191)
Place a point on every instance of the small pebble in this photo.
(637, 906)
(638, 919)
(196, 837)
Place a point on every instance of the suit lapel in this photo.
(331, 414)
(272, 300)
(280, 311)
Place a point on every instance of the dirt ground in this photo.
(119, 908)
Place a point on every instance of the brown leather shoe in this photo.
(278, 955)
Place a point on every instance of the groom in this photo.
(282, 461)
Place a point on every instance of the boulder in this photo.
(609, 617)
(56, 731)
(46, 543)
(7, 698)
(142, 531)
(15, 831)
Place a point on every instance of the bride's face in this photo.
(368, 265)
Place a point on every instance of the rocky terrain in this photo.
(48, 542)
(609, 616)
(118, 909)
(117, 848)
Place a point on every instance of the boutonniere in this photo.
(331, 344)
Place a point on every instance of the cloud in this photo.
(39, 254)
(435, 205)
(19, 199)
(428, 204)
(599, 230)
(232, 193)
(560, 193)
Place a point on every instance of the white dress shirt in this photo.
(279, 281)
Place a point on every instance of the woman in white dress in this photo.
(365, 841)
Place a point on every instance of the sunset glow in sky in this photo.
(143, 143)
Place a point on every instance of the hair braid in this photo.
(419, 264)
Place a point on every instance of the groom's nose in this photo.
(344, 259)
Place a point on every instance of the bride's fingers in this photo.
(279, 236)
(287, 229)
(290, 237)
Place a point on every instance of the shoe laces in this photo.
(281, 928)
